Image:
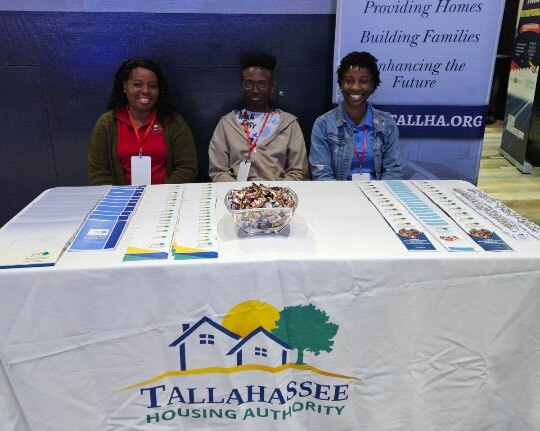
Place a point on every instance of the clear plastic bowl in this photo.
(262, 220)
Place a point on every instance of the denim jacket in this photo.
(332, 142)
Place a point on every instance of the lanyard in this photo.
(364, 148)
(253, 145)
(136, 130)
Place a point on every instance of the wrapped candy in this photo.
(261, 196)
(261, 209)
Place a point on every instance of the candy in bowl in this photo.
(261, 209)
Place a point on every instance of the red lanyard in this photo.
(364, 148)
(253, 145)
(136, 130)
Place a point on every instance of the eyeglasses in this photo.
(261, 85)
(351, 82)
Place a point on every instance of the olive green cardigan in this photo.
(105, 167)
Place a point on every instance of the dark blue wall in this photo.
(56, 71)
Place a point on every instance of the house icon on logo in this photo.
(208, 344)
(262, 348)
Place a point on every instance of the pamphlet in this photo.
(408, 230)
(466, 218)
(154, 223)
(40, 233)
(108, 220)
(196, 231)
(432, 218)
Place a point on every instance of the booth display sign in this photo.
(436, 59)
(522, 86)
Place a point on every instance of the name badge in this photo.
(141, 170)
(243, 171)
(364, 176)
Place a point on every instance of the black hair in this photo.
(259, 59)
(362, 60)
(118, 99)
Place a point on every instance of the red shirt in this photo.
(153, 145)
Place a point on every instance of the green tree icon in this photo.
(305, 328)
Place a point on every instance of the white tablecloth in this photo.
(391, 339)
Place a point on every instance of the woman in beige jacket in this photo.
(257, 142)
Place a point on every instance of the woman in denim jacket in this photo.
(356, 141)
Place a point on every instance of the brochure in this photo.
(40, 233)
(108, 220)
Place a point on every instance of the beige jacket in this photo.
(282, 156)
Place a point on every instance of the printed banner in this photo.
(522, 84)
(434, 121)
(238, 353)
(436, 57)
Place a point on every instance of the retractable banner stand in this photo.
(436, 59)
(522, 86)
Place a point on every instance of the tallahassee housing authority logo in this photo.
(244, 368)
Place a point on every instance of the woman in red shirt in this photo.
(141, 139)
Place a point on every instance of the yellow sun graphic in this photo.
(249, 315)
